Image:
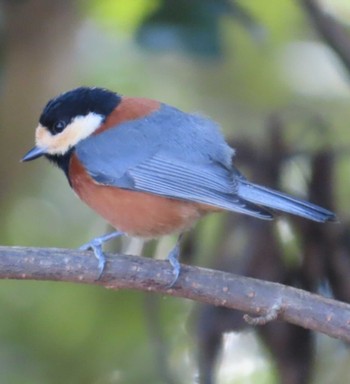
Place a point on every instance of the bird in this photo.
(150, 169)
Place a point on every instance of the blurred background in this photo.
(275, 75)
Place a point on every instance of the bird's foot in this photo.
(173, 258)
(96, 246)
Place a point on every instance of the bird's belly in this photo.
(136, 213)
(140, 214)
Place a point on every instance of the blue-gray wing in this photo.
(212, 184)
(168, 153)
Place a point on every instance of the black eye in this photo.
(58, 127)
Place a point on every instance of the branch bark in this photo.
(256, 297)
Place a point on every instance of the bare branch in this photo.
(259, 298)
(332, 31)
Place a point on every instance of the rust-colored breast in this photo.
(135, 213)
(130, 108)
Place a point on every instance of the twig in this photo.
(332, 31)
(208, 286)
(271, 315)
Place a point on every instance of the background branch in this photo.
(335, 35)
(254, 296)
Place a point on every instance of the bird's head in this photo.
(70, 118)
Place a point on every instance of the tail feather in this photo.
(280, 201)
(251, 209)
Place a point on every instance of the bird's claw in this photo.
(173, 258)
(93, 244)
(176, 273)
(96, 246)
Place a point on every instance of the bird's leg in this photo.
(173, 258)
(96, 246)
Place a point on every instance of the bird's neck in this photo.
(62, 161)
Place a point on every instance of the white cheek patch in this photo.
(80, 128)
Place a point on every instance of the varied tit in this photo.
(148, 168)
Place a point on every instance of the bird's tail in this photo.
(280, 201)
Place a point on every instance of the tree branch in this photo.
(332, 31)
(259, 298)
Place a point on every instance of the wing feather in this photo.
(212, 185)
(181, 164)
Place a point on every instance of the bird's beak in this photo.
(33, 154)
